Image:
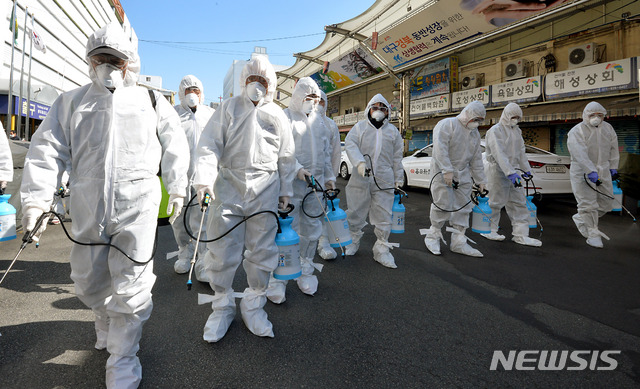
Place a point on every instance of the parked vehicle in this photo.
(550, 171)
(345, 164)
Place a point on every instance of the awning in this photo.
(545, 112)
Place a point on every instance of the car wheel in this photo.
(344, 171)
(404, 182)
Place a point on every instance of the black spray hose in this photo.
(244, 219)
(455, 187)
(537, 195)
(369, 172)
(315, 187)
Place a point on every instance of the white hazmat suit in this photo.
(248, 152)
(457, 155)
(6, 160)
(194, 119)
(115, 142)
(333, 133)
(312, 158)
(593, 148)
(383, 145)
(505, 154)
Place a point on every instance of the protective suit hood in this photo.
(323, 97)
(591, 108)
(474, 109)
(511, 110)
(112, 36)
(304, 87)
(259, 66)
(189, 81)
(378, 99)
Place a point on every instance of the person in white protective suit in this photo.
(505, 154)
(194, 116)
(6, 160)
(457, 157)
(114, 141)
(246, 152)
(313, 158)
(333, 133)
(593, 145)
(375, 144)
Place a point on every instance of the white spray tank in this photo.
(7, 219)
(481, 221)
(338, 233)
(288, 243)
(397, 214)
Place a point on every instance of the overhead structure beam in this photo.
(307, 58)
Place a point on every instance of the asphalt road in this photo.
(433, 322)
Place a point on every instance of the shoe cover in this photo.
(276, 291)
(253, 314)
(352, 248)
(381, 248)
(200, 271)
(594, 237)
(224, 310)
(525, 240)
(432, 238)
(581, 227)
(102, 331)
(493, 235)
(459, 243)
(325, 251)
(307, 282)
(385, 259)
(123, 372)
(595, 241)
(182, 265)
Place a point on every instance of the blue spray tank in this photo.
(7, 219)
(617, 196)
(338, 233)
(288, 243)
(533, 212)
(397, 214)
(481, 221)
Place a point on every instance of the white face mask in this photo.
(308, 106)
(256, 91)
(514, 122)
(378, 115)
(595, 121)
(473, 125)
(109, 75)
(192, 99)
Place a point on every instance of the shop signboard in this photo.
(459, 100)
(430, 105)
(435, 78)
(599, 78)
(523, 90)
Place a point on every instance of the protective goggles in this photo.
(99, 59)
(383, 109)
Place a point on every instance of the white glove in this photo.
(202, 190)
(3, 184)
(448, 178)
(362, 167)
(330, 185)
(283, 202)
(302, 173)
(176, 202)
(398, 185)
(29, 218)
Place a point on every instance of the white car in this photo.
(550, 171)
(345, 164)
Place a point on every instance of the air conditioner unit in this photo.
(515, 69)
(349, 110)
(583, 55)
(470, 81)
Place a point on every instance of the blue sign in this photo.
(36, 110)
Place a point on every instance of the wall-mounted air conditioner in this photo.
(515, 69)
(470, 81)
(583, 55)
